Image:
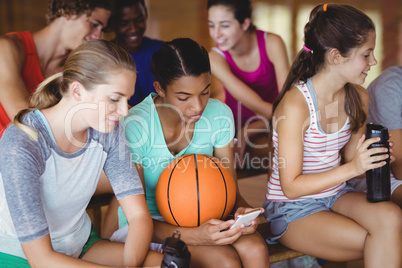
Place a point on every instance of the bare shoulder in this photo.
(293, 106)
(219, 65)
(274, 38)
(293, 101)
(12, 50)
(216, 57)
(274, 41)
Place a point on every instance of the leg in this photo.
(214, 256)
(372, 231)
(396, 196)
(111, 253)
(253, 251)
(326, 235)
(383, 222)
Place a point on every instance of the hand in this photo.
(217, 232)
(364, 158)
(254, 223)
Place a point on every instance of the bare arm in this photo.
(243, 93)
(40, 253)
(140, 229)
(276, 51)
(217, 90)
(293, 114)
(13, 94)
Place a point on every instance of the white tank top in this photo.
(321, 150)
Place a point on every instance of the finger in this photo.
(360, 142)
(368, 142)
(215, 222)
(249, 230)
(376, 165)
(378, 150)
(228, 239)
(240, 210)
(379, 158)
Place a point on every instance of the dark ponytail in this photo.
(341, 27)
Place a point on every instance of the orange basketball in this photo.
(193, 189)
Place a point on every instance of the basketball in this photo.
(193, 189)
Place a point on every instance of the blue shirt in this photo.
(142, 58)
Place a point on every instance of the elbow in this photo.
(291, 192)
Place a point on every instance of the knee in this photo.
(260, 249)
(214, 256)
(229, 260)
(390, 217)
(253, 246)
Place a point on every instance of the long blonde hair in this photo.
(90, 64)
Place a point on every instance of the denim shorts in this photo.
(281, 213)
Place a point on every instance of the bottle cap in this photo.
(376, 130)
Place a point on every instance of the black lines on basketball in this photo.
(224, 183)
(198, 189)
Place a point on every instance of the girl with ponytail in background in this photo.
(51, 160)
(320, 111)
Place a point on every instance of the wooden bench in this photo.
(95, 209)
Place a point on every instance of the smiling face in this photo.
(110, 100)
(83, 28)
(224, 28)
(130, 27)
(97, 21)
(357, 65)
(188, 96)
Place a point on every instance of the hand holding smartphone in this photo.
(246, 218)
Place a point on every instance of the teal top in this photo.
(148, 147)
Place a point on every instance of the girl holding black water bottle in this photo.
(320, 112)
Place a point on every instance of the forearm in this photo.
(63, 261)
(138, 240)
(255, 103)
(162, 230)
(307, 184)
(40, 253)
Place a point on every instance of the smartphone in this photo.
(246, 218)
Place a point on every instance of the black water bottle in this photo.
(175, 252)
(378, 180)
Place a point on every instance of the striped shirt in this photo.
(321, 150)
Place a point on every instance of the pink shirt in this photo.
(263, 81)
